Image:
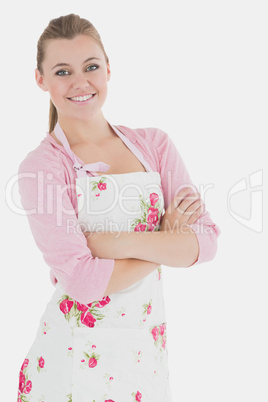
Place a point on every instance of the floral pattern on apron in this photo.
(114, 349)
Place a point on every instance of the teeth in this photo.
(81, 98)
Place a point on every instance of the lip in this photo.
(82, 102)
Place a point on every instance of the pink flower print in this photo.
(105, 300)
(70, 348)
(108, 400)
(45, 328)
(97, 195)
(159, 336)
(102, 186)
(140, 227)
(83, 313)
(24, 364)
(159, 273)
(162, 329)
(82, 361)
(41, 362)
(66, 306)
(138, 396)
(123, 314)
(93, 346)
(154, 198)
(81, 307)
(147, 308)
(21, 382)
(111, 378)
(150, 227)
(149, 218)
(88, 319)
(138, 356)
(155, 333)
(92, 359)
(92, 362)
(28, 387)
(153, 216)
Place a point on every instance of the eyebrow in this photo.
(66, 64)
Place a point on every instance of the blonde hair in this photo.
(64, 27)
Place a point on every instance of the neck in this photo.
(92, 130)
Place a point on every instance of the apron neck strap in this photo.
(62, 138)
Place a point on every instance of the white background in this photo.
(197, 70)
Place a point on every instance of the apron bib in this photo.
(114, 349)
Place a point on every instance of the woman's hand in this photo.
(185, 208)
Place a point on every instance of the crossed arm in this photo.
(174, 249)
(139, 253)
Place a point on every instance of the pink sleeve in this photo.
(174, 177)
(56, 231)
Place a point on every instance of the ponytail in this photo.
(53, 116)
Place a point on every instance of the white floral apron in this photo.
(114, 349)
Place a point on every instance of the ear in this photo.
(108, 72)
(40, 80)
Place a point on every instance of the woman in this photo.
(102, 230)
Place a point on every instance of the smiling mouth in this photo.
(82, 98)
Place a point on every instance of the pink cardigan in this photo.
(47, 189)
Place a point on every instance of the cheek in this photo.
(101, 81)
(58, 90)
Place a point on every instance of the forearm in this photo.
(173, 249)
(127, 272)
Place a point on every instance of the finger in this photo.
(194, 206)
(189, 198)
(195, 216)
(187, 202)
(184, 192)
(179, 197)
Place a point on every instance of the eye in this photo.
(62, 72)
(92, 67)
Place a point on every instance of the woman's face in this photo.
(75, 74)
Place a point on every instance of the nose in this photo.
(80, 81)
